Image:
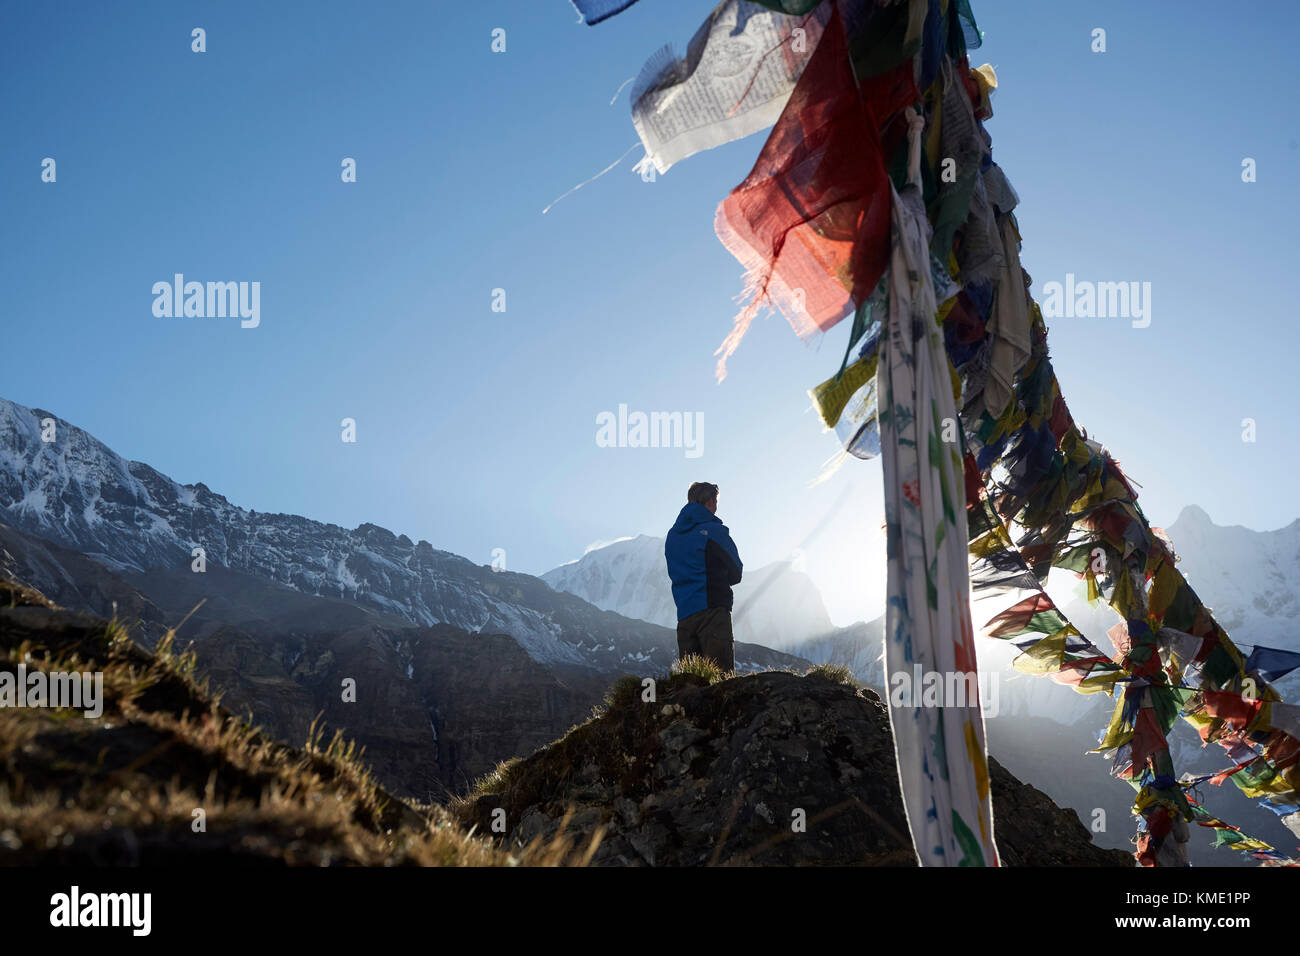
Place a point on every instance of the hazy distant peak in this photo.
(776, 605)
(1194, 515)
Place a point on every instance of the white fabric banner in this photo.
(929, 640)
(735, 79)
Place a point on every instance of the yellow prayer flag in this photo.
(832, 395)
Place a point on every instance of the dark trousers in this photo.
(708, 633)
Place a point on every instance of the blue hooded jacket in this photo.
(703, 562)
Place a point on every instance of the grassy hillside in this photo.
(167, 775)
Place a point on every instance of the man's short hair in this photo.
(701, 492)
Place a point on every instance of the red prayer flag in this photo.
(974, 481)
(1223, 775)
(1060, 421)
(1282, 750)
(811, 222)
(1236, 710)
(1148, 739)
(1017, 617)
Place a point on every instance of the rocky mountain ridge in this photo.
(74, 491)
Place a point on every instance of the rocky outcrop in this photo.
(764, 769)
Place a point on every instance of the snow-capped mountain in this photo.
(1250, 578)
(776, 605)
(61, 484)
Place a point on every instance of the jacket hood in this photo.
(692, 516)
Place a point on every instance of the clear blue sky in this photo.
(477, 429)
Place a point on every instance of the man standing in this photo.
(703, 564)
